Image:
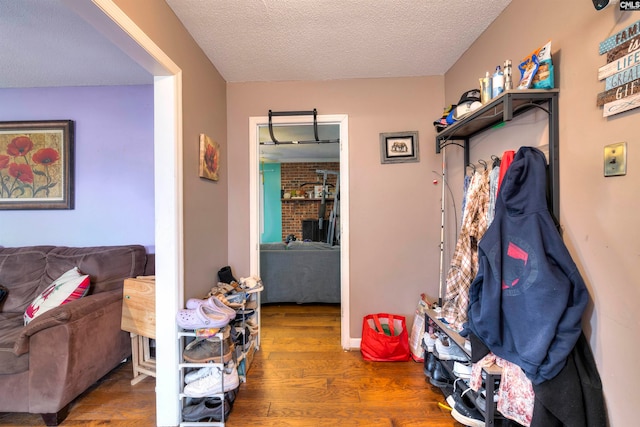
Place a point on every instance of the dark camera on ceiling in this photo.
(601, 4)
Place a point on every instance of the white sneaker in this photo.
(449, 352)
(197, 374)
(461, 370)
(212, 384)
(429, 341)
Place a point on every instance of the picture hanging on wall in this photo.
(209, 158)
(36, 165)
(399, 147)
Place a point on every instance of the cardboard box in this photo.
(139, 306)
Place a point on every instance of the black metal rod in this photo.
(313, 113)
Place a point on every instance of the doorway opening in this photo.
(266, 159)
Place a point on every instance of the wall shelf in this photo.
(503, 109)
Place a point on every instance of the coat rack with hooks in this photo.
(503, 109)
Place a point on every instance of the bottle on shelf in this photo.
(485, 88)
(497, 82)
(508, 82)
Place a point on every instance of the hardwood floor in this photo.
(300, 377)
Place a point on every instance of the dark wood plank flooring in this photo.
(300, 377)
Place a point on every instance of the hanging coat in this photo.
(527, 300)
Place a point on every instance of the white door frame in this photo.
(254, 204)
(107, 18)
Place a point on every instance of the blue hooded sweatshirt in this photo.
(527, 300)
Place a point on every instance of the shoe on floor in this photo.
(218, 381)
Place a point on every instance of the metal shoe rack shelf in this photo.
(244, 355)
(502, 109)
(491, 374)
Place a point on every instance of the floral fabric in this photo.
(516, 397)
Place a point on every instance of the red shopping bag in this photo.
(385, 338)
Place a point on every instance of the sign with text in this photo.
(622, 71)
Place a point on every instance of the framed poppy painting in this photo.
(209, 158)
(36, 165)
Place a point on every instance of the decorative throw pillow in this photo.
(71, 286)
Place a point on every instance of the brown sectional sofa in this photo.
(45, 365)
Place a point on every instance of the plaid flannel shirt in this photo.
(464, 263)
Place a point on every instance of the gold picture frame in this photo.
(37, 165)
(209, 158)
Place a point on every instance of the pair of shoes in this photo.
(213, 303)
(440, 377)
(447, 351)
(460, 389)
(429, 340)
(233, 300)
(241, 337)
(225, 275)
(209, 350)
(253, 282)
(464, 410)
(481, 400)
(244, 314)
(462, 370)
(213, 381)
(429, 364)
(252, 324)
(208, 409)
(223, 289)
(202, 317)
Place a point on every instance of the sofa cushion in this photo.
(21, 271)
(11, 325)
(68, 287)
(107, 266)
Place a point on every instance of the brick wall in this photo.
(293, 176)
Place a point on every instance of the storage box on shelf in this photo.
(491, 373)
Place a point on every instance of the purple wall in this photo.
(114, 202)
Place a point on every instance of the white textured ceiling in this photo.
(44, 43)
(274, 40)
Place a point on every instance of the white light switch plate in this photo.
(615, 159)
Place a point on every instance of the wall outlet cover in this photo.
(615, 159)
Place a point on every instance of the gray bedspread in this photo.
(300, 272)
